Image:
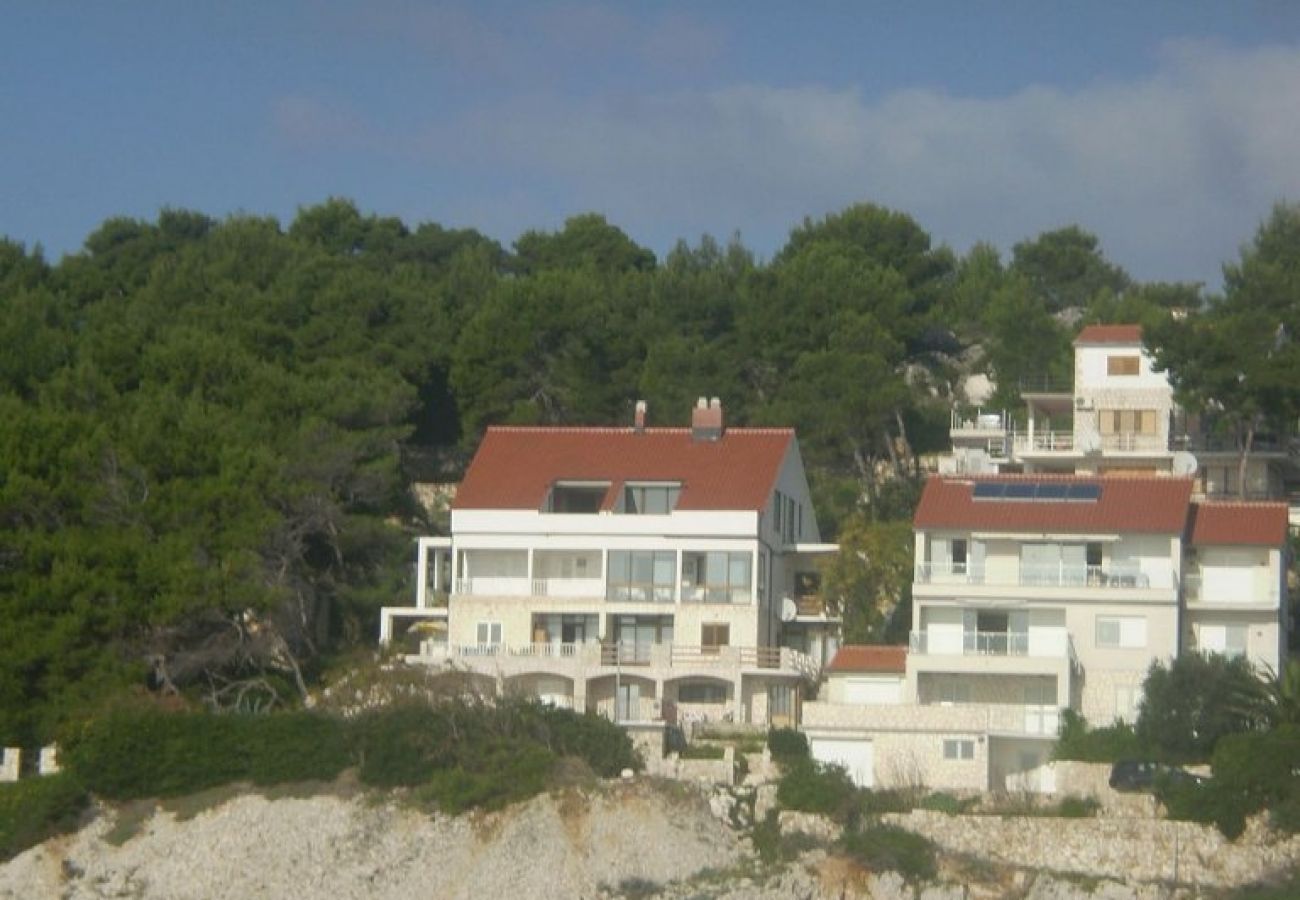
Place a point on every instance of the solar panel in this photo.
(1088, 492)
(1029, 491)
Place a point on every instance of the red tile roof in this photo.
(864, 658)
(515, 467)
(1110, 334)
(1149, 505)
(1256, 524)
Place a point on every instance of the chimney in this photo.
(638, 419)
(706, 420)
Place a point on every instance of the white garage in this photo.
(853, 753)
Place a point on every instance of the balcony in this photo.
(1133, 443)
(494, 586)
(568, 587)
(586, 659)
(1042, 642)
(1247, 589)
(1044, 442)
(1112, 576)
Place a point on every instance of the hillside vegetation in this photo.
(210, 426)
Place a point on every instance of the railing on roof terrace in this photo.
(1045, 384)
(1133, 443)
(1027, 575)
(1044, 442)
(1043, 642)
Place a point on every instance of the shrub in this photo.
(772, 845)
(945, 803)
(808, 786)
(295, 746)
(596, 740)
(37, 808)
(403, 745)
(888, 847)
(142, 751)
(504, 772)
(1195, 700)
(1077, 741)
(1208, 803)
(787, 745)
(703, 751)
(1075, 807)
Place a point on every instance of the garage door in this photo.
(854, 754)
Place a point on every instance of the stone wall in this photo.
(1125, 848)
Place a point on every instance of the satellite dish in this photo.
(1184, 463)
(788, 610)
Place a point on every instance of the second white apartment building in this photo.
(1039, 593)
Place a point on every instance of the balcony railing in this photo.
(1112, 576)
(711, 593)
(639, 592)
(1044, 442)
(633, 654)
(1044, 642)
(568, 587)
(1253, 588)
(1133, 443)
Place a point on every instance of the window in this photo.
(640, 576)
(1122, 632)
(1230, 640)
(787, 517)
(959, 749)
(959, 555)
(1123, 365)
(713, 636)
(702, 692)
(762, 575)
(1127, 421)
(650, 499)
(576, 497)
(716, 577)
(489, 634)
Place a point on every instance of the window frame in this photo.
(958, 749)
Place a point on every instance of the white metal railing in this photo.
(977, 421)
(1049, 575)
(639, 592)
(1044, 442)
(1129, 442)
(568, 587)
(1043, 642)
(711, 593)
(494, 585)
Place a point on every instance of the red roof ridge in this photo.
(869, 658)
(1110, 334)
(621, 429)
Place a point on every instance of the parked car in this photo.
(1141, 775)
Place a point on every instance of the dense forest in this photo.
(210, 426)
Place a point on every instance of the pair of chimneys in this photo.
(706, 419)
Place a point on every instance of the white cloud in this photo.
(1173, 171)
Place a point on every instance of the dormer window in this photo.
(576, 497)
(651, 499)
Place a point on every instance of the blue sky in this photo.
(1167, 128)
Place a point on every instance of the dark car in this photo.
(1141, 775)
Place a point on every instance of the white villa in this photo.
(1118, 417)
(662, 575)
(1056, 559)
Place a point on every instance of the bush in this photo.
(37, 808)
(594, 739)
(1209, 803)
(144, 751)
(787, 745)
(702, 751)
(808, 786)
(403, 745)
(1075, 807)
(295, 746)
(946, 803)
(1110, 744)
(505, 772)
(887, 847)
(1195, 700)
